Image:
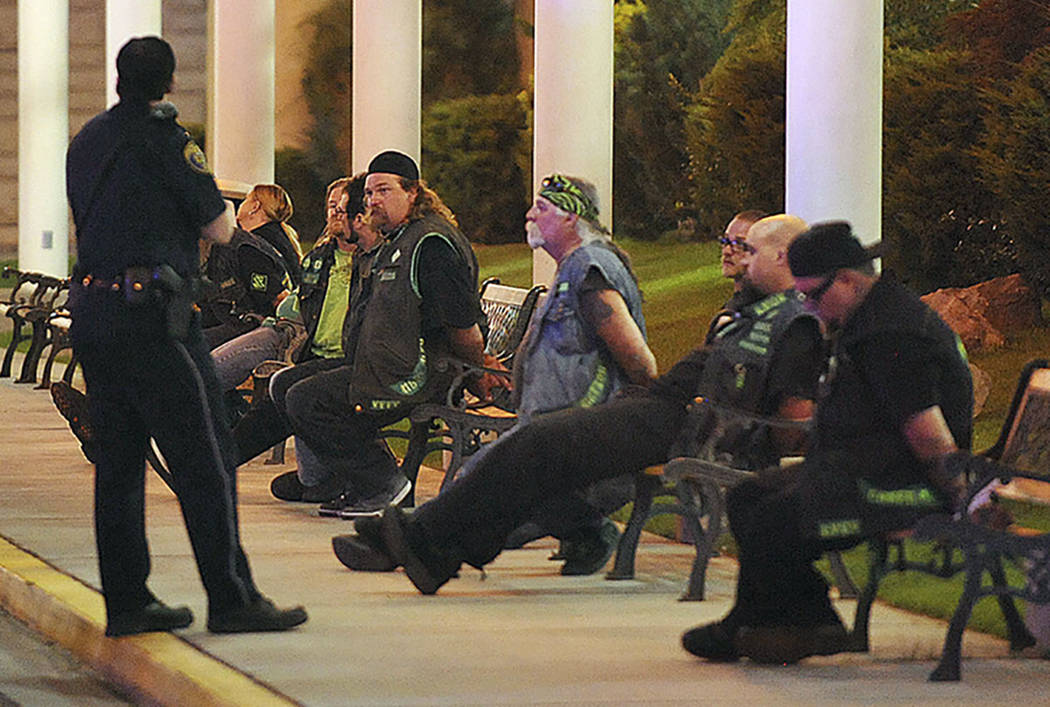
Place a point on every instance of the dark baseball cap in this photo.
(394, 162)
(825, 248)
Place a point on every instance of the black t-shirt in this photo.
(140, 191)
(445, 285)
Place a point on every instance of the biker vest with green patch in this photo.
(737, 367)
(392, 362)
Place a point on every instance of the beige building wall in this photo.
(185, 24)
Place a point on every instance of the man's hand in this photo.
(469, 345)
(482, 385)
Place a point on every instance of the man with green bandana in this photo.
(585, 343)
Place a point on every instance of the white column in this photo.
(387, 79)
(572, 127)
(43, 133)
(834, 112)
(126, 19)
(240, 127)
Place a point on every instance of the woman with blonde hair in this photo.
(265, 212)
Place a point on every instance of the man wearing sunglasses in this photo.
(735, 253)
(766, 359)
(896, 410)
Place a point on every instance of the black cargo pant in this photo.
(142, 384)
(785, 519)
(549, 458)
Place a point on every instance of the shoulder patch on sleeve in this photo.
(195, 158)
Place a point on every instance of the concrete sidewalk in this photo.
(519, 635)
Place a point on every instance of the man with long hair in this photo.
(423, 304)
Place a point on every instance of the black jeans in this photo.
(265, 424)
(549, 458)
(142, 384)
(345, 442)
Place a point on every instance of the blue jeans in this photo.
(237, 358)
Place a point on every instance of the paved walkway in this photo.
(519, 635)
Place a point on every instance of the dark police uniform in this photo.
(140, 192)
(893, 359)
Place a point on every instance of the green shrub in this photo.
(293, 171)
(470, 148)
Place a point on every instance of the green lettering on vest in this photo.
(839, 528)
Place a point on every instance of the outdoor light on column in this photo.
(43, 133)
(126, 19)
(834, 112)
(240, 130)
(387, 79)
(572, 124)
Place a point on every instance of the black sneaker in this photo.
(713, 642)
(588, 555)
(523, 535)
(427, 572)
(155, 616)
(260, 615)
(375, 505)
(288, 487)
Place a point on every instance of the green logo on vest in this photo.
(839, 528)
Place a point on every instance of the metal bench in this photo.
(461, 425)
(1020, 457)
(52, 299)
(695, 486)
(32, 294)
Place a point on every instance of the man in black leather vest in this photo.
(423, 304)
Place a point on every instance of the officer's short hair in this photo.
(145, 66)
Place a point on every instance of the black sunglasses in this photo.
(817, 293)
(737, 244)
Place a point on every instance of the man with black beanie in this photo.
(422, 305)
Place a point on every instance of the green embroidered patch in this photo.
(260, 281)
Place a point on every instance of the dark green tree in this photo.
(326, 88)
(469, 48)
(919, 24)
(939, 225)
(735, 129)
(1001, 33)
(663, 48)
(469, 148)
(1015, 162)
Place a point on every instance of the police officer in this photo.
(142, 195)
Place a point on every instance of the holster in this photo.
(176, 294)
